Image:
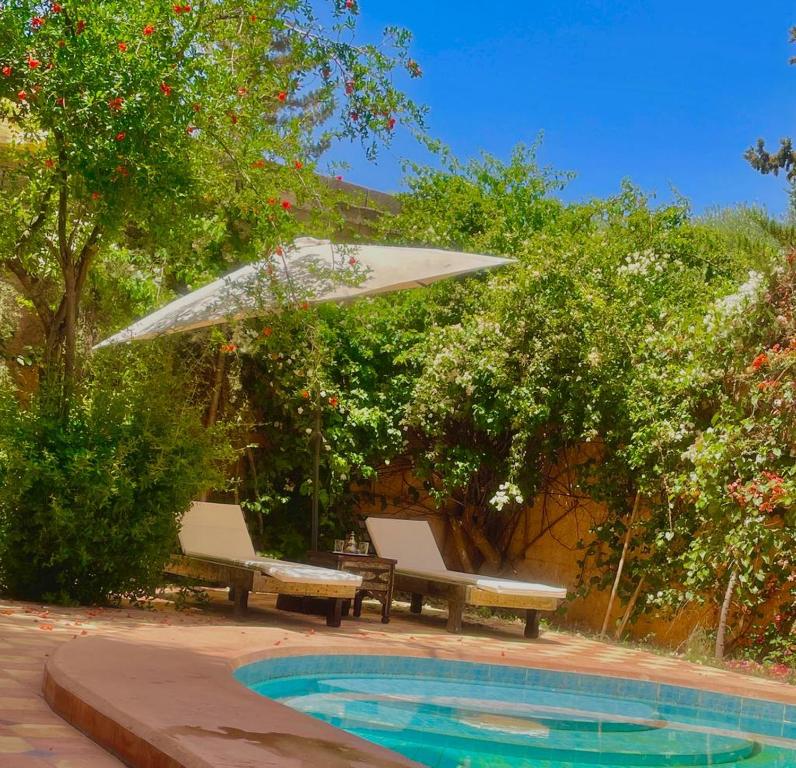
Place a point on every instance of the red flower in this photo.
(122, 47)
(338, 178)
(258, 163)
(56, 8)
(165, 89)
(353, 260)
(121, 136)
(81, 25)
(350, 4)
(95, 195)
(49, 163)
(271, 201)
(282, 96)
(414, 68)
(286, 204)
(60, 101)
(305, 305)
(267, 331)
(253, 17)
(229, 347)
(333, 401)
(6, 71)
(148, 30)
(242, 91)
(190, 130)
(22, 96)
(115, 104)
(760, 361)
(196, 107)
(305, 394)
(349, 87)
(233, 118)
(61, 43)
(390, 123)
(121, 170)
(355, 116)
(37, 22)
(298, 165)
(33, 63)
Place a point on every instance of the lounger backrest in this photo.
(216, 530)
(410, 542)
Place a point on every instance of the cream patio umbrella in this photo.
(309, 270)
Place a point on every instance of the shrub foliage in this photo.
(90, 503)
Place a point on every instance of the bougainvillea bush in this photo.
(714, 412)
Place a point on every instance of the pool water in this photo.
(450, 714)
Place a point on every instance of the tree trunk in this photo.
(461, 545)
(721, 630)
(218, 385)
(492, 557)
(629, 609)
(621, 565)
(69, 335)
(316, 480)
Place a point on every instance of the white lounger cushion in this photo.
(412, 544)
(490, 584)
(218, 532)
(297, 573)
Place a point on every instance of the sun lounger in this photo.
(422, 571)
(217, 550)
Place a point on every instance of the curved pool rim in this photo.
(448, 713)
(116, 691)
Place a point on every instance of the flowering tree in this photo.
(181, 131)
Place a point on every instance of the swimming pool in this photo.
(455, 714)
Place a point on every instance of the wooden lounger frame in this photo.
(458, 595)
(241, 580)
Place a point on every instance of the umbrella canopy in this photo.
(309, 270)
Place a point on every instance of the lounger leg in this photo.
(241, 603)
(531, 624)
(358, 605)
(346, 609)
(231, 593)
(455, 611)
(385, 609)
(333, 617)
(416, 605)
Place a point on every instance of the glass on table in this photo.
(362, 547)
(339, 545)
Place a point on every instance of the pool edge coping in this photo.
(141, 743)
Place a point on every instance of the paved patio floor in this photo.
(36, 737)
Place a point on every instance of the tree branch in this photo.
(34, 226)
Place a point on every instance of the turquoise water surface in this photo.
(451, 714)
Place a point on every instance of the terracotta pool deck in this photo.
(157, 683)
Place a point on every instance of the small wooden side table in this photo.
(378, 575)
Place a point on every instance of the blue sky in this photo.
(666, 93)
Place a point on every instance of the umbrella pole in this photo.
(316, 480)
